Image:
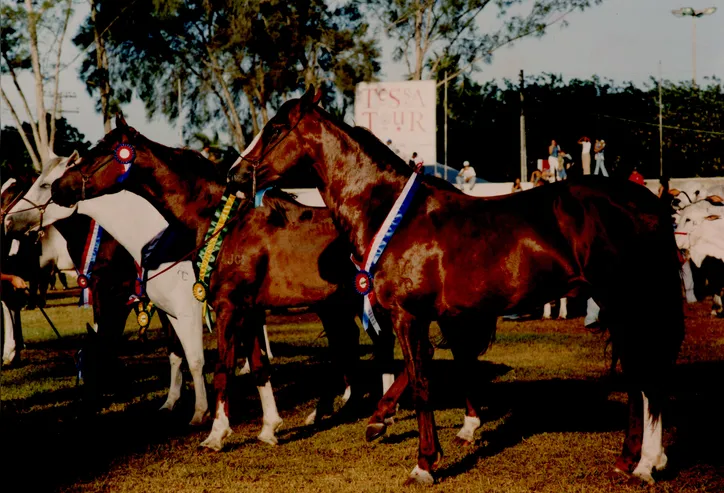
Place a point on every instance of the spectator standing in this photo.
(598, 149)
(585, 154)
(553, 150)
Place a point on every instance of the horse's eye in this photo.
(45, 186)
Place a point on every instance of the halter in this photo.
(255, 163)
(118, 156)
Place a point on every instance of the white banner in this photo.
(403, 112)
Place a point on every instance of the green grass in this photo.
(553, 419)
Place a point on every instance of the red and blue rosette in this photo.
(363, 281)
(124, 154)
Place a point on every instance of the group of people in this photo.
(554, 168)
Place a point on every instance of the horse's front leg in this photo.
(226, 342)
(417, 350)
(255, 344)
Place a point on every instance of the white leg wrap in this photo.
(347, 393)
(219, 431)
(467, 432)
(563, 311)
(547, 311)
(272, 420)
(9, 342)
(652, 450)
(421, 476)
(387, 380)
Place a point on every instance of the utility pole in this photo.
(446, 125)
(523, 151)
(661, 130)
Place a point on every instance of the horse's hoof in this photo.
(546, 318)
(268, 439)
(389, 421)
(421, 477)
(212, 443)
(375, 431)
(462, 442)
(268, 432)
(311, 419)
(199, 419)
(642, 476)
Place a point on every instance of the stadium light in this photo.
(694, 14)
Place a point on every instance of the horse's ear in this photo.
(73, 157)
(120, 121)
(715, 200)
(311, 97)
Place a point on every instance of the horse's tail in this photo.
(653, 329)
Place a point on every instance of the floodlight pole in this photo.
(445, 125)
(694, 14)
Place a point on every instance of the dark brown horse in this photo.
(463, 260)
(282, 254)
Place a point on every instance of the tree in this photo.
(15, 159)
(27, 29)
(427, 31)
(236, 59)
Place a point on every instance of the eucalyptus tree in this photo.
(427, 31)
(234, 60)
(33, 32)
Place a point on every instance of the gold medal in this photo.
(143, 319)
(199, 290)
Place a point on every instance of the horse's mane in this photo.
(278, 201)
(382, 154)
(188, 163)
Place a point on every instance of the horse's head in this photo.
(101, 169)
(33, 207)
(279, 147)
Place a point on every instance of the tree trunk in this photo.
(419, 54)
(28, 145)
(236, 130)
(254, 114)
(29, 114)
(102, 64)
(56, 94)
(39, 101)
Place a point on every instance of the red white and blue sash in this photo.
(363, 281)
(87, 260)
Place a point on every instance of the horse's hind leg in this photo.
(226, 333)
(414, 339)
(343, 336)
(469, 335)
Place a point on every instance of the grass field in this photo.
(553, 420)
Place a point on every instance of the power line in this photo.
(664, 126)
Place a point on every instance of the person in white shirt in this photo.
(585, 154)
(466, 175)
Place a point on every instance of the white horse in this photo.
(54, 253)
(133, 222)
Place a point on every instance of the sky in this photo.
(623, 40)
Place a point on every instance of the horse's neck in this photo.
(130, 219)
(191, 202)
(358, 193)
(74, 229)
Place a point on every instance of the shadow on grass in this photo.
(66, 449)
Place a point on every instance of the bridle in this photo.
(255, 163)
